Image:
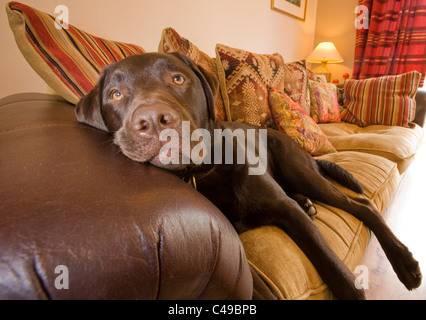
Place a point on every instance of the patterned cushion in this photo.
(244, 80)
(296, 83)
(388, 100)
(324, 104)
(315, 77)
(293, 120)
(69, 61)
(171, 41)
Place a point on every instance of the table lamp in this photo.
(325, 53)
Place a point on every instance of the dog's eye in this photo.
(116, 95)
(178, 79)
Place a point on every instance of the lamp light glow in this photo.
(325, 53)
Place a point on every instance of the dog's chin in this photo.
(161, 159)
(172, 158)
(156, 161)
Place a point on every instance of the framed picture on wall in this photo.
(294, 8)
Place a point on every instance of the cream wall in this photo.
(335, 23)
(245, 24)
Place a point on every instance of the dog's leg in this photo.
(297, 170)
(272, 206)
(402, 260)
(306, 204)
(405, 266)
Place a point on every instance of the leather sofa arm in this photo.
(420, 107)
(81, 221)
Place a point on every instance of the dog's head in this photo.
(142, 95)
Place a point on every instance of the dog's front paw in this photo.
(407, 269)
(306, 204)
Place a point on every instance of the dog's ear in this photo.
(89, 109)
(209, 81)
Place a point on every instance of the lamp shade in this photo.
(325, 52)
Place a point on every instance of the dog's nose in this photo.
(150, 120)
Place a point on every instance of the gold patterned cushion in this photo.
(293, 120)
(244, 80)
(171, 41)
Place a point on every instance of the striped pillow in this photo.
(388, 100)
(69, 61)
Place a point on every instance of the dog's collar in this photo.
(193, 174)
(189, 178)
(192, 182)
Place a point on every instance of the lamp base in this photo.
(324, 71)
(323, 68)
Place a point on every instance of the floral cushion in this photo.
(244, 80)
(324, 105)
(293, 120)
(296, 83)
(68, 60)
(171, 41)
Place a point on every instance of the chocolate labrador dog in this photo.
(143, 97)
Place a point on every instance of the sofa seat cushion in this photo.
(378, 176)
(395, 143)
(283, 271)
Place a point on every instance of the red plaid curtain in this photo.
(395, 41)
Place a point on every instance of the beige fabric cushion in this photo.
(378, 176)
(395, 143)
(282, 270)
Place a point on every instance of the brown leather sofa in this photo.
(80, 221)
(122, 230)
(116, 229)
